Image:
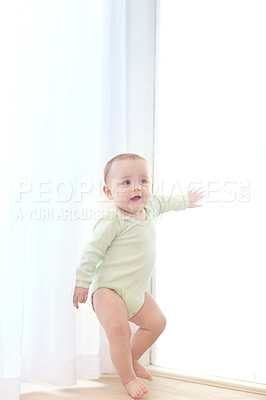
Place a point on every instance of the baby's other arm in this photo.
(175, 202)
(103, 234)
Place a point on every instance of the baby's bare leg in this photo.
(112, 314)
(151, 322)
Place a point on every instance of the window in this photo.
(211, 132)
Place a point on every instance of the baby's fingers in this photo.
(200, 195)
(197, 194)
(82, 298)
(75, 301)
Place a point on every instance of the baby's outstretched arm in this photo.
(195, 196)
(80, 296)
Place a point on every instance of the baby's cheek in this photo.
(147, 197)
(121, 192)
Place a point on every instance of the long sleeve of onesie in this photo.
(162, 204)
(103, 234)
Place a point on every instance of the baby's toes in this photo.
(136, 389)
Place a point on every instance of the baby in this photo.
(118, 262)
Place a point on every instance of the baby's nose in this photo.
(136, 185)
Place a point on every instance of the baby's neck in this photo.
(139, 215)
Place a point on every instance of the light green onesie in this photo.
(121, 252)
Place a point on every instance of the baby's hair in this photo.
(124, 156)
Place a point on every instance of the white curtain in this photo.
(211, 131)
(128, 77)
(66, 74)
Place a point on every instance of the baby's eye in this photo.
(144, 181)
(126, 183)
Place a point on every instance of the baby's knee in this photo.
(117, 329)
(162, 323)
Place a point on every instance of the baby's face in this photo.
(129, 183)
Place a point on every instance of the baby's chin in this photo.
(133, 205)
(131, 208)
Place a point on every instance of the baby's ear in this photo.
(107, 192)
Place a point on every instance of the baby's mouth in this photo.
(135, 198)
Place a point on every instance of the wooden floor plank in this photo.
(109, 388)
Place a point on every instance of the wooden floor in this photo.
(109, 388)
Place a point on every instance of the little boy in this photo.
(118, 262)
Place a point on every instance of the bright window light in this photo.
(211, 125)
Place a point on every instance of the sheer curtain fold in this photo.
(65, 80)
(114, 86)
(128, 77)
(52, 77)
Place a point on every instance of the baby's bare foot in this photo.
(135, 388)
(141, 372)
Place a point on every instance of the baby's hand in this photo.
(80, 296)
(194, 196)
